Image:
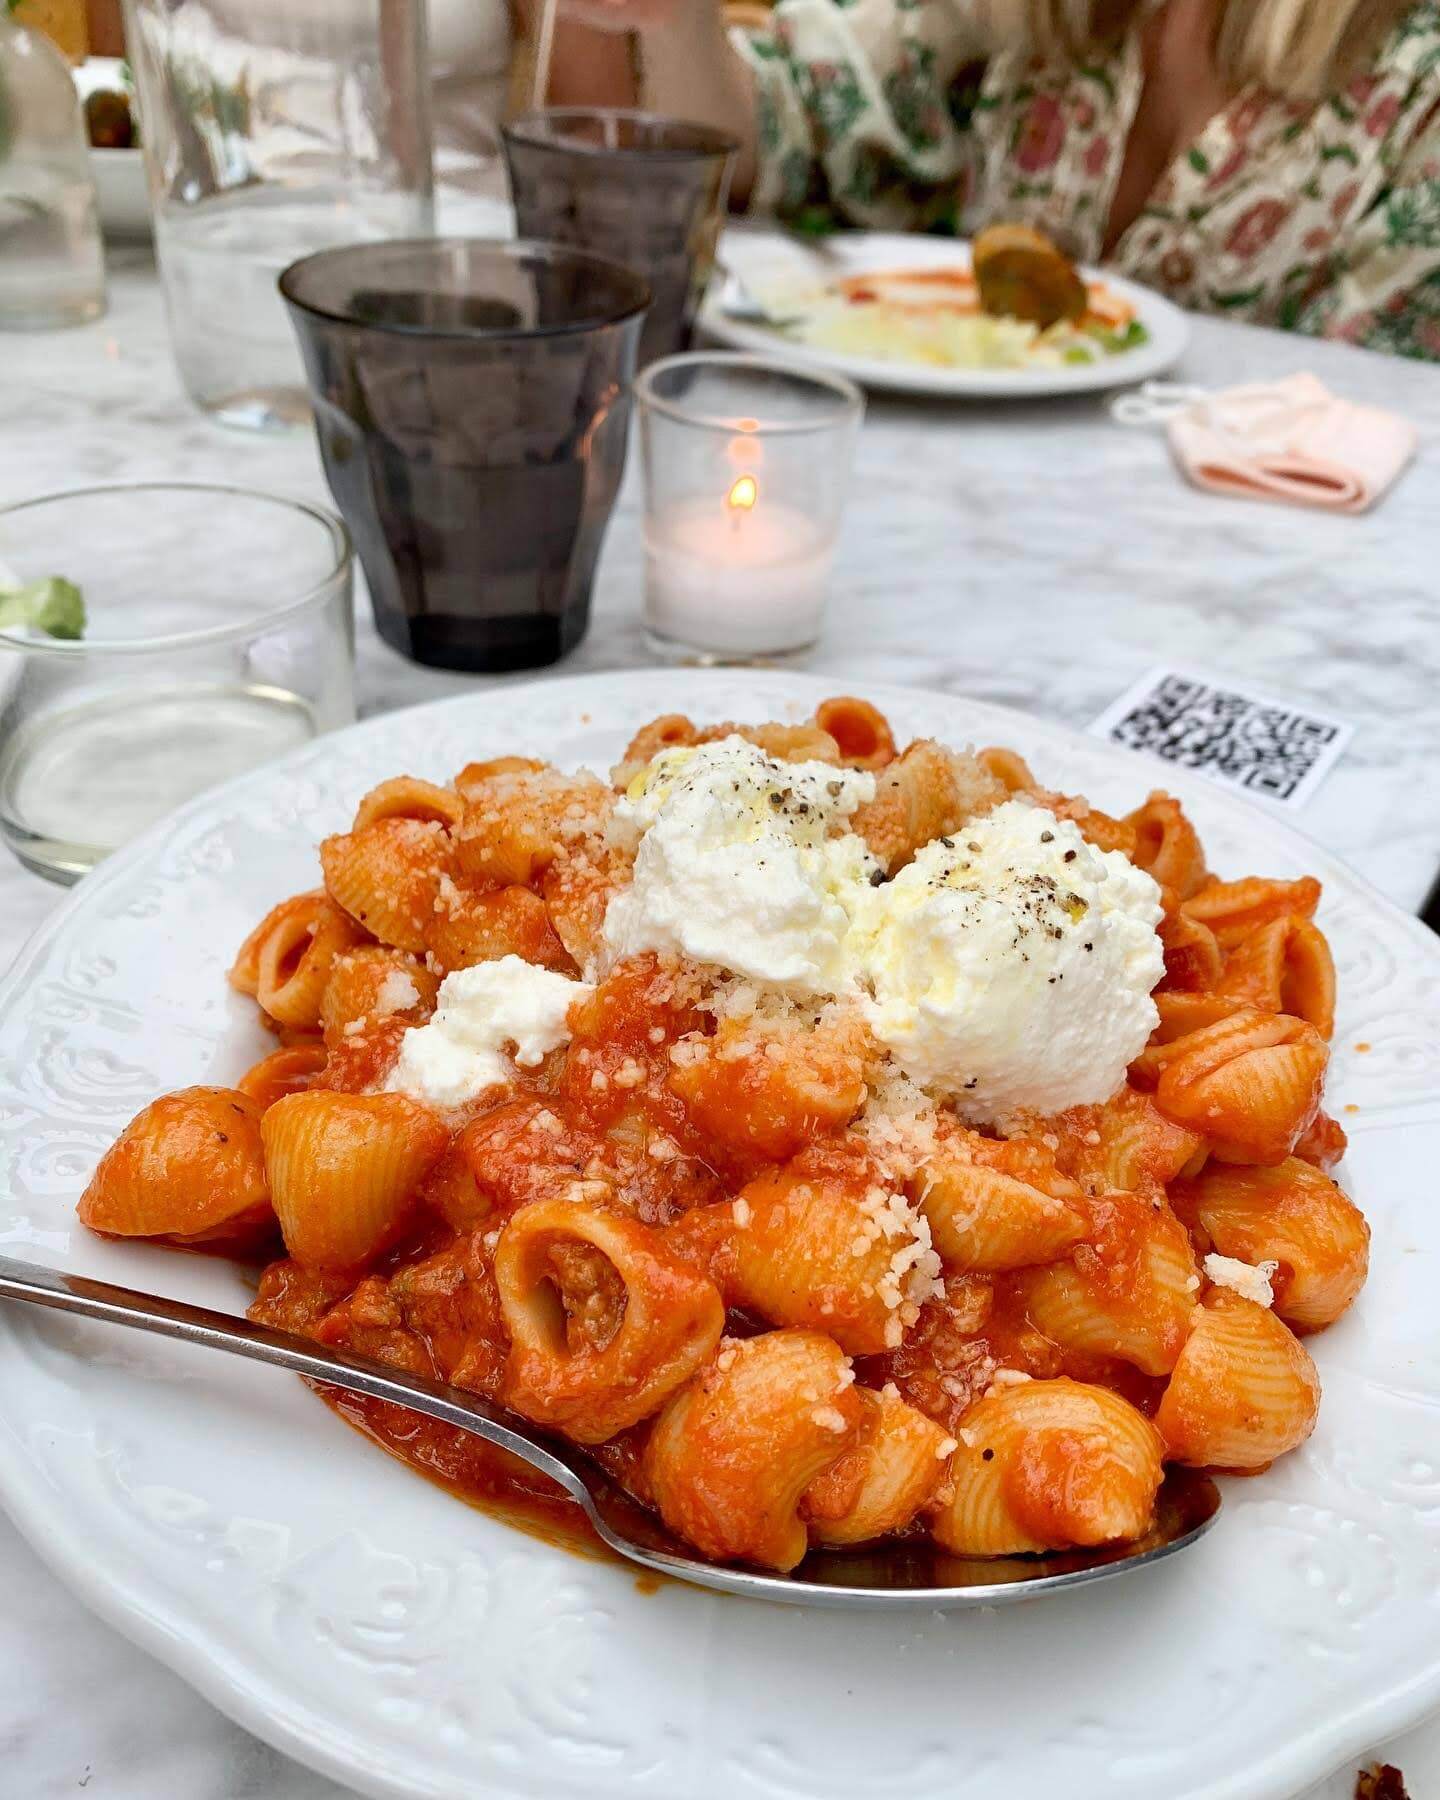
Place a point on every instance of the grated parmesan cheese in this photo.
(1250, 1280)
(396, 993)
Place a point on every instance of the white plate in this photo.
(763, 257)
(358, 1618)
(120, 191)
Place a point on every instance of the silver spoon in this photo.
(904, 1574)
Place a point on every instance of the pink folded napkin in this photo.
(1291, 440)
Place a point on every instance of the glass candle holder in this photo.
(746, 466)
(646, 191)
(218, 633)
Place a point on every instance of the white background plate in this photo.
(762, 257)
(358, 1618)
(120, 191)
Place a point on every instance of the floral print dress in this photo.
(1323, 219)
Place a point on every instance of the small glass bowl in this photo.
(219, 633)
(747, 464)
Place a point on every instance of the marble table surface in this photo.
(1033, 554)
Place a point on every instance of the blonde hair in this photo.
(1299, 49)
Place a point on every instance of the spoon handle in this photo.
(284, 1350)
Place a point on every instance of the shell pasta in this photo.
(847, 1141)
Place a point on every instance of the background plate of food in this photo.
(368, 1623)
(1007, 317)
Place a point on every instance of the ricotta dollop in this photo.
(1010, 966)
(1007, 967)
(489, 1020)
(737, 865)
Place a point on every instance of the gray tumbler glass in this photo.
(471, 400)
(647, 191)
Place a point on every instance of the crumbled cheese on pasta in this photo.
(584, 1192)
(945, 1448)
(913, 1274)
(740, 1211)
(1250, 1280)
(1008, 1378)
(829, 1418)
(396, 993)
(899, 1124)
(733, 999)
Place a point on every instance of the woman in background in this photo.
(1276, 160)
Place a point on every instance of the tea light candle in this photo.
(739, 575)
(745, 469)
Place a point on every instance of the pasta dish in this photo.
(845, 1143)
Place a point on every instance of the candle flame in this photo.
(743, 494)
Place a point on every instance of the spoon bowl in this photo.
(911, 1573)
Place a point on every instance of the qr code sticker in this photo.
(1244, 739)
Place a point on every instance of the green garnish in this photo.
(52, 605)
(1129, 338)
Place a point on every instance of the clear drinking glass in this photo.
(219, 633)
(472, 400)
(747, 463)
(272, 128)
(646, 191)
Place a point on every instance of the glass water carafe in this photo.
(272, 129)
